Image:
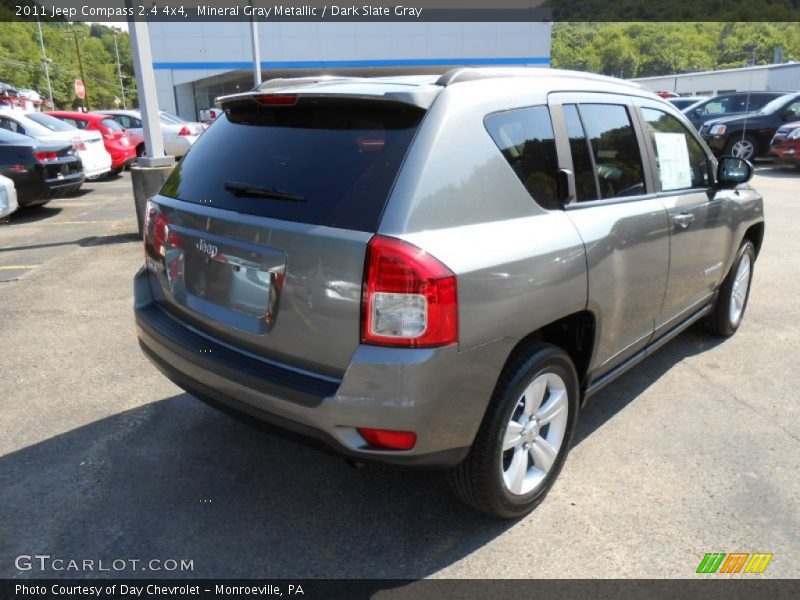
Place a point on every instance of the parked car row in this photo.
(178, 135)
(746, 124)
(44, 155)
(39, 170)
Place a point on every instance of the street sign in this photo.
(80, 89)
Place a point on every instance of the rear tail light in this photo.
(78, 144)
(45, 156)
(157, 233)
(185, 131)
(409, 297)
(387, 439)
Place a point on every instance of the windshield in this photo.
(778, 103)
(49, 122)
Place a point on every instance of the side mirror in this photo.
(733, 171)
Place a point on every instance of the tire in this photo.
(732, 298)
(746, 147)
(140, 150)
(485, 479)
(113, 173)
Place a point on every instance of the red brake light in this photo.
(409, 297)
(78, 144)
(277, 99)
(45, 156)
(156, 231)
(390, 440)
(185, 131)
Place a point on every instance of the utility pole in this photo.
(80, 66)
(119, 72)
(45, 62)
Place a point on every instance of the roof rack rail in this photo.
(288, 82)
(462, 74)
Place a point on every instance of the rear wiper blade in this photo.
(245, 189)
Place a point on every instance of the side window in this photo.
(123, 120)
(682, 162)
(11, 125)
(585, 181)
(615, 150)
(795, 108)
(72, 122)
(136, 122)
(525, 137)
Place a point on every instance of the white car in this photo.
(88, 144)
(8, 197)
(178, 135)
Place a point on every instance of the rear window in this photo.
(327, 163)
(49, 122)
(111, 124)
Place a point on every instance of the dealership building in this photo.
(196, 62)
(783, 77)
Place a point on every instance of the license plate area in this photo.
(231, 282)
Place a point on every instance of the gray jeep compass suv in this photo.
(440, 270)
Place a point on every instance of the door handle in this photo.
(683, 220)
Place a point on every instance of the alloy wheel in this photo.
(534, 434)
(739, 289)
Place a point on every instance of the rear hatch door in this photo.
(259, 236)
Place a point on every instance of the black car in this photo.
(726, 105)
(748, 136)
(39, 170)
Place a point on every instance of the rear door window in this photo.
(322, 162)
(582, 163)
(525, 137)
(615, 149)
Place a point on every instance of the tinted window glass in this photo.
(776, 104)
(585, 181)
(11, 125)
(123, 120)
(525, 137)
(337, 162)
(111, 124)
(49, 122)
(614, 148)
(682, 162)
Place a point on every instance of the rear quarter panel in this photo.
(518, 266)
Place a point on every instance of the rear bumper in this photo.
(121, 157)
(440, 394)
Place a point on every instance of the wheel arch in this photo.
(574, 333)
(755, 233)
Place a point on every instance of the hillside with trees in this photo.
(21, 62)
(643, 49)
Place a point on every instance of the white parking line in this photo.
(11, 267)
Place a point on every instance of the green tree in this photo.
(21, 64)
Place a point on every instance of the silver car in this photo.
(178, 135)
(440, 271)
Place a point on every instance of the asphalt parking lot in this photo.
(696, 450)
